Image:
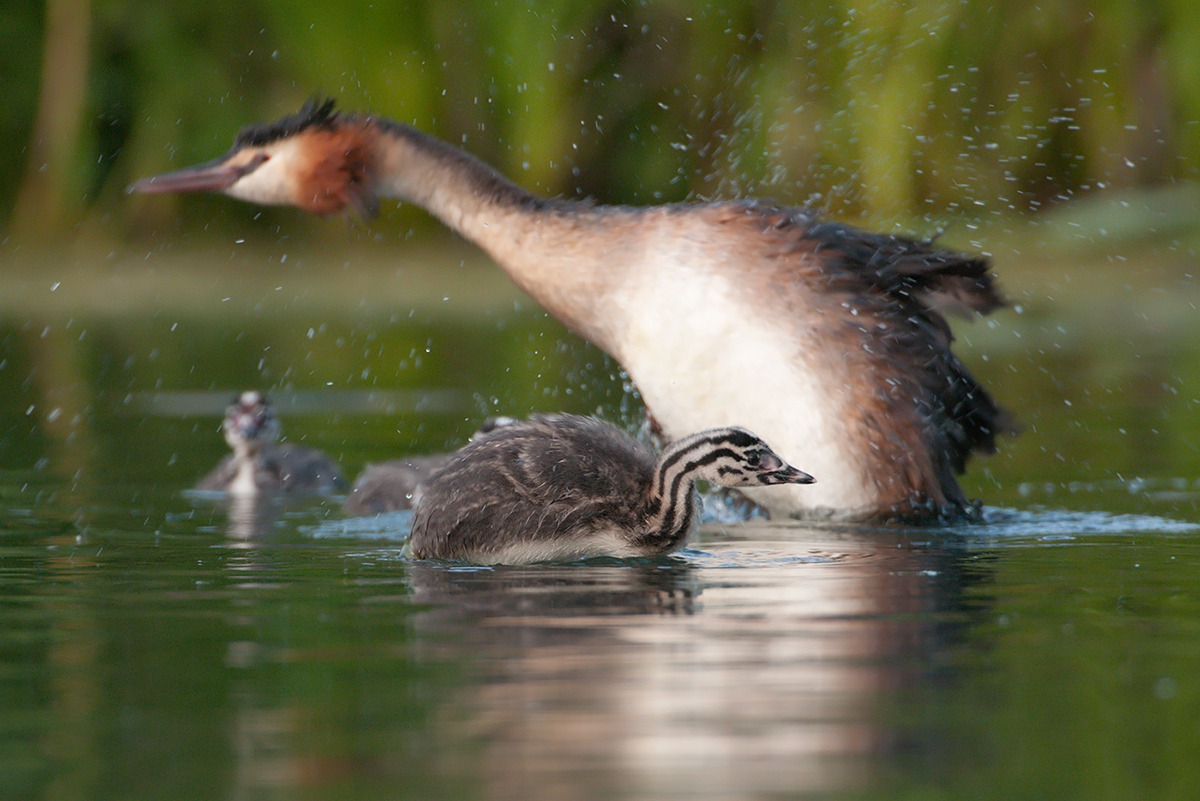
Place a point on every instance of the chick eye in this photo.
(753, 459)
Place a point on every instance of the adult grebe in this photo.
(259, 465)
(828, 341)
(394, 485)
(559, 487)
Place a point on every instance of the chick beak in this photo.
(790, 475)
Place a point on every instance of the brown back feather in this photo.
(898, 288)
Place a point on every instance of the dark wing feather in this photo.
(899, 266)
(908, 283)
(899, 288)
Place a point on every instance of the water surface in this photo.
(160, 644)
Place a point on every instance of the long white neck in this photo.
(245, 481)
(570, 257)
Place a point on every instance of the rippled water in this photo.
(151, 652)
(155, 643)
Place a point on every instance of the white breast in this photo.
(744, 369)
(243, 483)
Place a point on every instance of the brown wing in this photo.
(881, 299)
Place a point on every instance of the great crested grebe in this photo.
(259, 465)
(828, 341)
(395, 485)
(557, 487)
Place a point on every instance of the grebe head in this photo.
(315, 160)
(250, 423)
(734, 457)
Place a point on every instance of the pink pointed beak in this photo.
(211, 176)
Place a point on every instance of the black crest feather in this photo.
(315, 113)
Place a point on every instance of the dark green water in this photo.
(157, 645)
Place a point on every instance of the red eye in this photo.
(253, 164)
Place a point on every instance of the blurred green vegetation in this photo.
(882, 111)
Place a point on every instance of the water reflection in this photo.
(749, 667)
(159, 645)
(251, 517)
(162, 658)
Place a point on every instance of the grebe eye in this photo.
(253, 164)
(753, 459)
